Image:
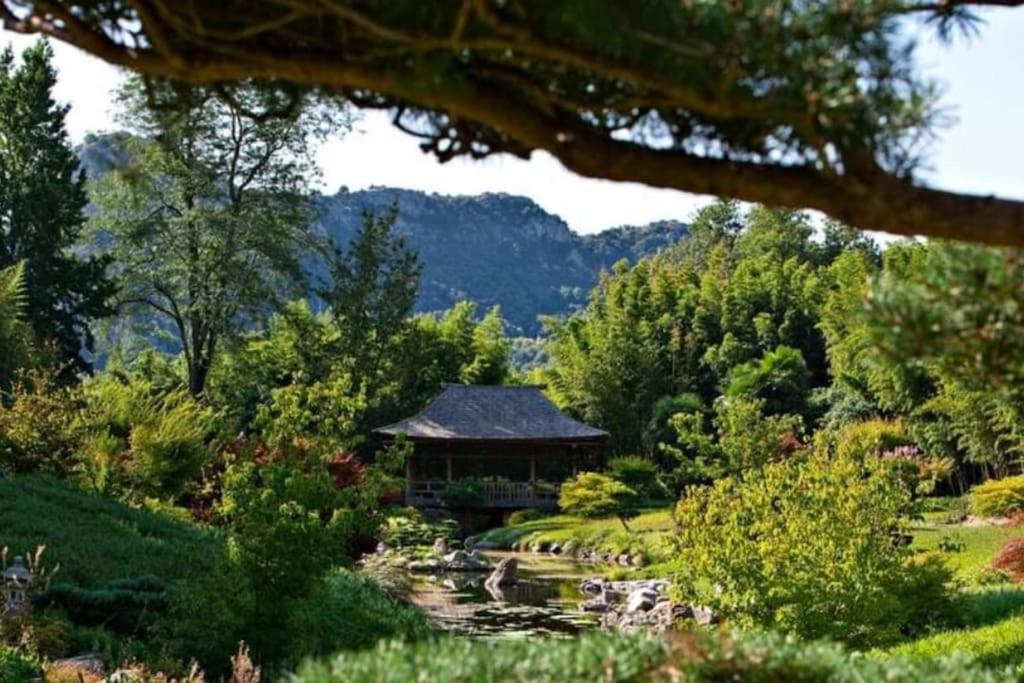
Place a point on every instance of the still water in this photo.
(545, 601)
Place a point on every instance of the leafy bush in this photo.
(590, 494)
(998, 497)
(348, 612)
(609, 657)
(593, 657)
(17, 666)
(1011, 559)
(637, 473)
(38, 426)
(463, 493)
(410, 529)
(807, 546)
(125, 605)
(525, 515)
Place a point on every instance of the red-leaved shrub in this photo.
(1011, 558)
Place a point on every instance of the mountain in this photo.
(491, 248)
(496, 249)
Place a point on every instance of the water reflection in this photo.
(545, 600)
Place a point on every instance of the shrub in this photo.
(38, 430)
(637, 473)
(807, 546)
(695, 658)
(409, 529)
(125, 605)
(463, 493)
(1011, 559)
(349, 612)
(524, 516)
(17, 666)
(998, 497)
(590, 494)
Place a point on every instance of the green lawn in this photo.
(979, 545)
(648, 533)
(96, 540)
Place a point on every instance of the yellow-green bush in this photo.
(998, 497)
(808, 546)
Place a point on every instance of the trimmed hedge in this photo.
(609, 657)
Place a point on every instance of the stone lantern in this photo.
(17, 581)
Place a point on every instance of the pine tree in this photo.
(42, 202)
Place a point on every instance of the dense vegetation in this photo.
(798, 397)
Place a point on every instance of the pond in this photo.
(545, 601)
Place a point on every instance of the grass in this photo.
(979, 544)
(648, 533)
(992, 630)
(96, 540)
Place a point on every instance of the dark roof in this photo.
(493, 413)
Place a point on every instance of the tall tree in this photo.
(209, 223)
(806, 104)
(373, 288)
(42, 202)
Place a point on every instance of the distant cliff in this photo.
(497, 249)
(491, 248)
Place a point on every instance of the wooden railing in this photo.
(496, 494)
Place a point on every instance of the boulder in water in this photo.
(505, 574)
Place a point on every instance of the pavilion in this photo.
(511, 439)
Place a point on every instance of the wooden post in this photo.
(448, 463)
(533, 478)
(408, 480)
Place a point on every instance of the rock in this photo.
(382, 548)
(82, 666)
(591, 586)
(623, 560)
(641, 600)
(456, 556)
(704, 616)
(505, 574)
(611, 596)
(555, 549)
(124, 676)
(440, 546)
(595, 605)
(637, 561)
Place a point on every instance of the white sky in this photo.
(982, 152)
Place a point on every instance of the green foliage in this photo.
(808, 546)
(409, 529)
(744, 438)
(701, 657)
(373, 288)
(15, 335)
(524, 515)
(596, 656)
(39, 429)
(463, 493)
(637, 473)
(590, 494)
(998, 497)
(207, 225)
(780, 378)
(347, 612)
(18, 666)
(287, 523)
(42, 201)
(744, 291)
(98, 541)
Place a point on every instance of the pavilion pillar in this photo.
(533, 478)
(408, 479)
(448, 466)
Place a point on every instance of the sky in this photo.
(981, 151)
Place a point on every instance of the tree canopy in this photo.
(802, 104)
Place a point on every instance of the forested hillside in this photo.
(495, 249)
